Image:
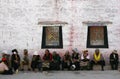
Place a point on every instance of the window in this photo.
(52, 37)
(97, 37)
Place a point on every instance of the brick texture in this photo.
(19, 26)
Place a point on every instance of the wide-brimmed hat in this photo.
(85, 51)
(115, 51)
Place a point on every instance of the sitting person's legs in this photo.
(85, 64)
(45, 66)
(92, 64)
(7, 72)
(101, 62)
(23, 64)
(65, 65)
(39, 66)
(77, 64)
(33, 65)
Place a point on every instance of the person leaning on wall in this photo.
(4, 69)
(114, 60)
(25, 60)
(76, 59)
(56, 60)
(85, 60)
(47, 59)
(15, 60)
(98, 59)
(36, 62)
(66, 61)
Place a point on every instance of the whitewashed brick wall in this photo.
(19, 22)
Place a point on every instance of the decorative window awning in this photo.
(52, 22)
(98, 23)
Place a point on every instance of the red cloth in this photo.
(50, 57)
(4, 59)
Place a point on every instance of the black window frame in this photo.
(43, 45)
(98, 46)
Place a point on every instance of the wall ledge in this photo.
(97, 23)
(52, 23)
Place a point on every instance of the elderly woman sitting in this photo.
(4, 69)
(67, 61)
(76, 59)
(55, 64)
(36, 62)
(85, 58)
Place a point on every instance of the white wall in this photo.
(19, 22)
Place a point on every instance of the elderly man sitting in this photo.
(98, 59)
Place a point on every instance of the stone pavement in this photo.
(108, 74)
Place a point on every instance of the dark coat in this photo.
(114, 59)
(13, 59)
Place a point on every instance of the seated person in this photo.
(85, 58)
(76, 60)
(4, 69)
(47, 58)
(25, 60)
(36, 62)
(15, 60)
(55, 64)
(114, 60)
(98, 59)
(66, 62)
(7, 56)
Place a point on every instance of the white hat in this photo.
(14, 53)
(35, 53)
(115, 51)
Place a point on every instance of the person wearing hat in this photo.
(85, 60)
(98, 59)
(114, 60)
(15, 60)
(36, 62)
(75, 60)
(25, 60)
(4, 69)
(7, 56)
(85, 56)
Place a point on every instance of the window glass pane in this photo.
(97, 35)
(52, 36)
